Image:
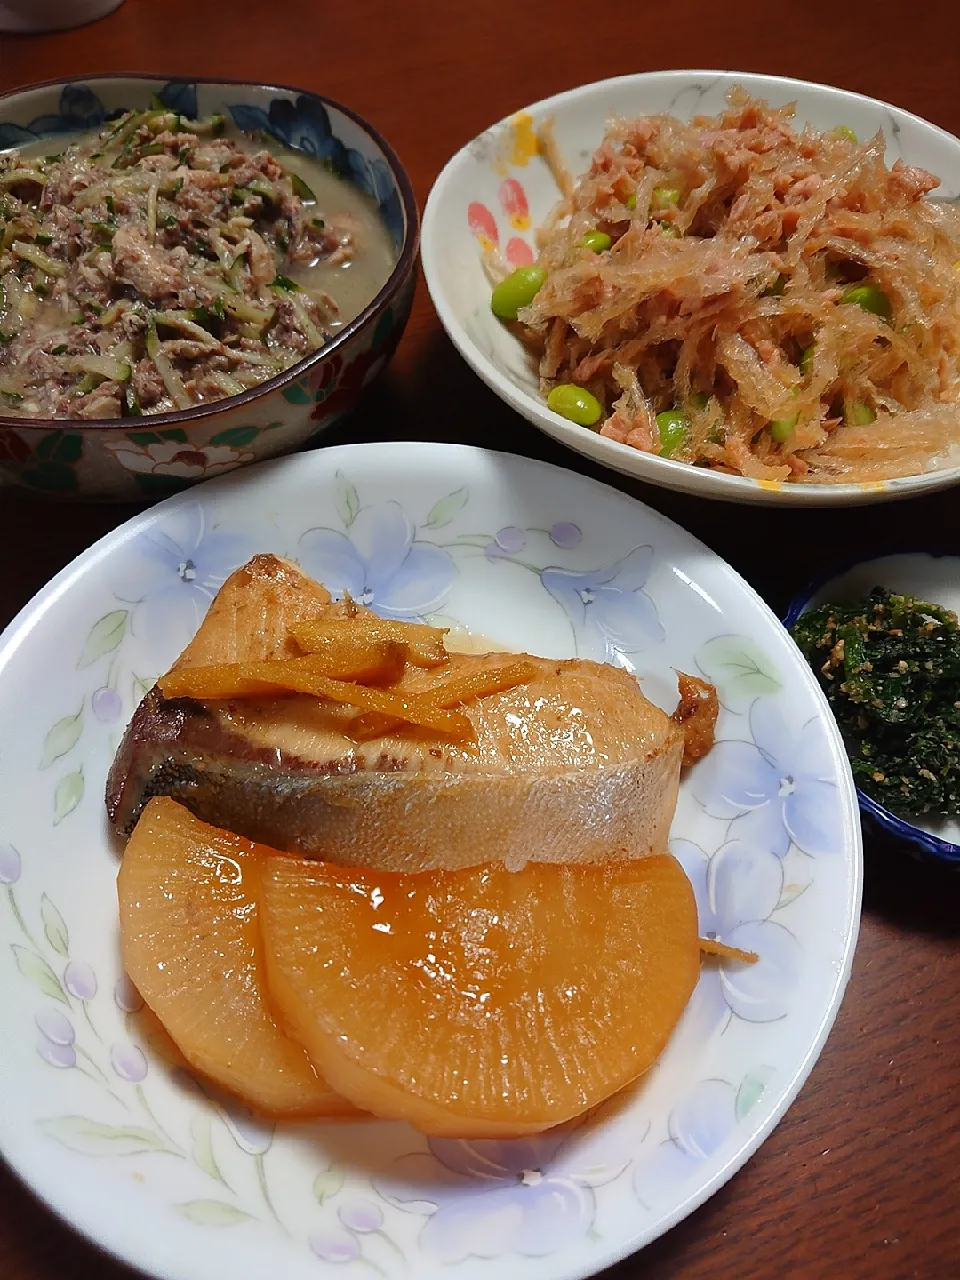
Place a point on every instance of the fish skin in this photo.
(395, 817)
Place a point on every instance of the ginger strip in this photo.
(424, 645)
(711, 947)
(450, 691)
(357, 655)
(351, 658)
(305, 675)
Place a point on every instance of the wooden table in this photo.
(861, 1178)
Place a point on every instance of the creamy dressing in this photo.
(163, 263)
(353, 283)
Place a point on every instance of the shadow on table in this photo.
(41, 1243)
(777, 549)
(922, 897)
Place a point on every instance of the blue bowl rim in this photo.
(401, 269)
(897, 827)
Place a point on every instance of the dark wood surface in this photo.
(861, 1178)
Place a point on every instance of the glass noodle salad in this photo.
(737, 294)
(161, 265)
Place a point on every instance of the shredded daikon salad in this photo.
(740, 295)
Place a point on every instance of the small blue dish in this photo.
(928, 577)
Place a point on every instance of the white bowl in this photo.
(484, 182)
(52, 15)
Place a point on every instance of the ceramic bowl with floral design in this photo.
(185, 1184)
(927, 576)
(157, 455)
(499, 188)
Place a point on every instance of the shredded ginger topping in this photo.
(792, 298)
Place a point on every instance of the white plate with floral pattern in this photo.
(186, 1185)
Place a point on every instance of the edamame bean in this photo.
(575, 403)
(518, 290)
(858, 415)
(781, 429)
(870, 297)
(672, 425)
(631, 201)
(806, 359)
(668, 229)
(844, 131)
(665, 197)
(598, 241)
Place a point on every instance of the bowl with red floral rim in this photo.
(155, 455)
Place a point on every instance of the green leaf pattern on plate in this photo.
(751, 1090)
(52, 464)
(327, 1184)
(105, 635)
(54, 927)
(68, 795)
(791, 892)
(212, 1213)
(93, 1138)
(36, 970)
(297, 393)
(444, 511)
(141, 687)
(739, 668)
(201, 1136)
(348, 503)
(236, 437)
(63, 737)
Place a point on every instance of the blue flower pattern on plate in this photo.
(380, 564)
(610, 601)
(774, 790)
(737, 891)
(698, 1127)
(489, 1198)
(175, 572)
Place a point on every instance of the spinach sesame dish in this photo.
(164, 263)
(890, 668)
